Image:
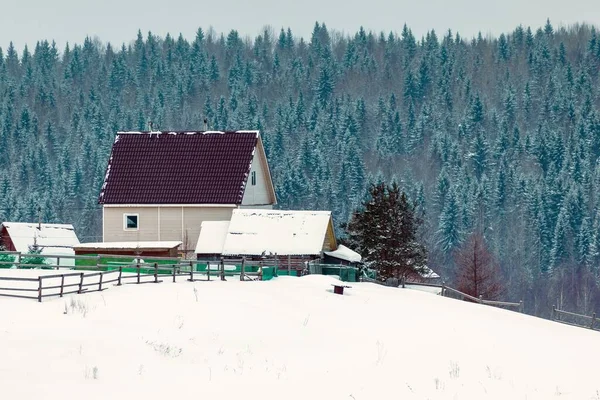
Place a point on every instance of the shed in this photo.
(162, 185)
(51, 239)
(258, 232)
(212, 239)
(141, 249)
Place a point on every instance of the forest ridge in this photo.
(501, 134)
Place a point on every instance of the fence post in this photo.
(100, 282)
(18, 259)
(553, 312)
(243, 268)
(208, 271)
(403, 280)
(289, 265)
(443, 289)
(138, 271)
(191, 273)
(80, 283)
(40, 289)
(57, 262)
(120, 274)
(98, 261)
(521, 307)
(222, 269)
(62, 285)
(276, 265)
(174, 269)
(480, 299)
(155, 272)
(593, 321)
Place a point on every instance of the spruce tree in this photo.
(385, 231)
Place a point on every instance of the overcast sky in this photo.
(117, 21)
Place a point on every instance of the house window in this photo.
(131, 222)
(253, 178)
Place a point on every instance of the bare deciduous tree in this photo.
(478, 273)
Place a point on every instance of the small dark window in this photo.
(253, 178)
(131, 221)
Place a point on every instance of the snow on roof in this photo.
(51, 238)
(259, 231)
(428, 273)
(128, 245)
(344, 253)
(212, 237)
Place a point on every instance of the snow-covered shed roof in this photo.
(212, 237)
(428, 273)
(269, 232)
(344, 253)
(50, 238)
(144, 245)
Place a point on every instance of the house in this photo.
(137, 249)
(51, 239)
(427, 275)
(161, 186)
(256, 233)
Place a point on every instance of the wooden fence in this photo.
(94, 277)
(580, 320)
(78, 280)
(450, 292)
(574, 319)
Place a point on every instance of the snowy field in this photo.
(289, 338)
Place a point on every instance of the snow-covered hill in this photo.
(290, 338)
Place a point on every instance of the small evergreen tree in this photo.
(385, 232)
(32, 257)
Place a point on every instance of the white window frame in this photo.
(125, 215)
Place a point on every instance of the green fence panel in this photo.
(346, 274)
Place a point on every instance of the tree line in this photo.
(498, 135)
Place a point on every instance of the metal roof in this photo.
(178, 167)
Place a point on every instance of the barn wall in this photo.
(5, 240)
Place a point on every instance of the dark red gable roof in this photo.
(178, 168)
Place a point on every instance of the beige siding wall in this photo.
(261, 207)
(193, 217)
(113, 224)
(258, 194)
(170, 223)
(175, 223)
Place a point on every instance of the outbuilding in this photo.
(136, 249)
(287, 236)
(47, 239)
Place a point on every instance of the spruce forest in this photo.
(500, 135)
